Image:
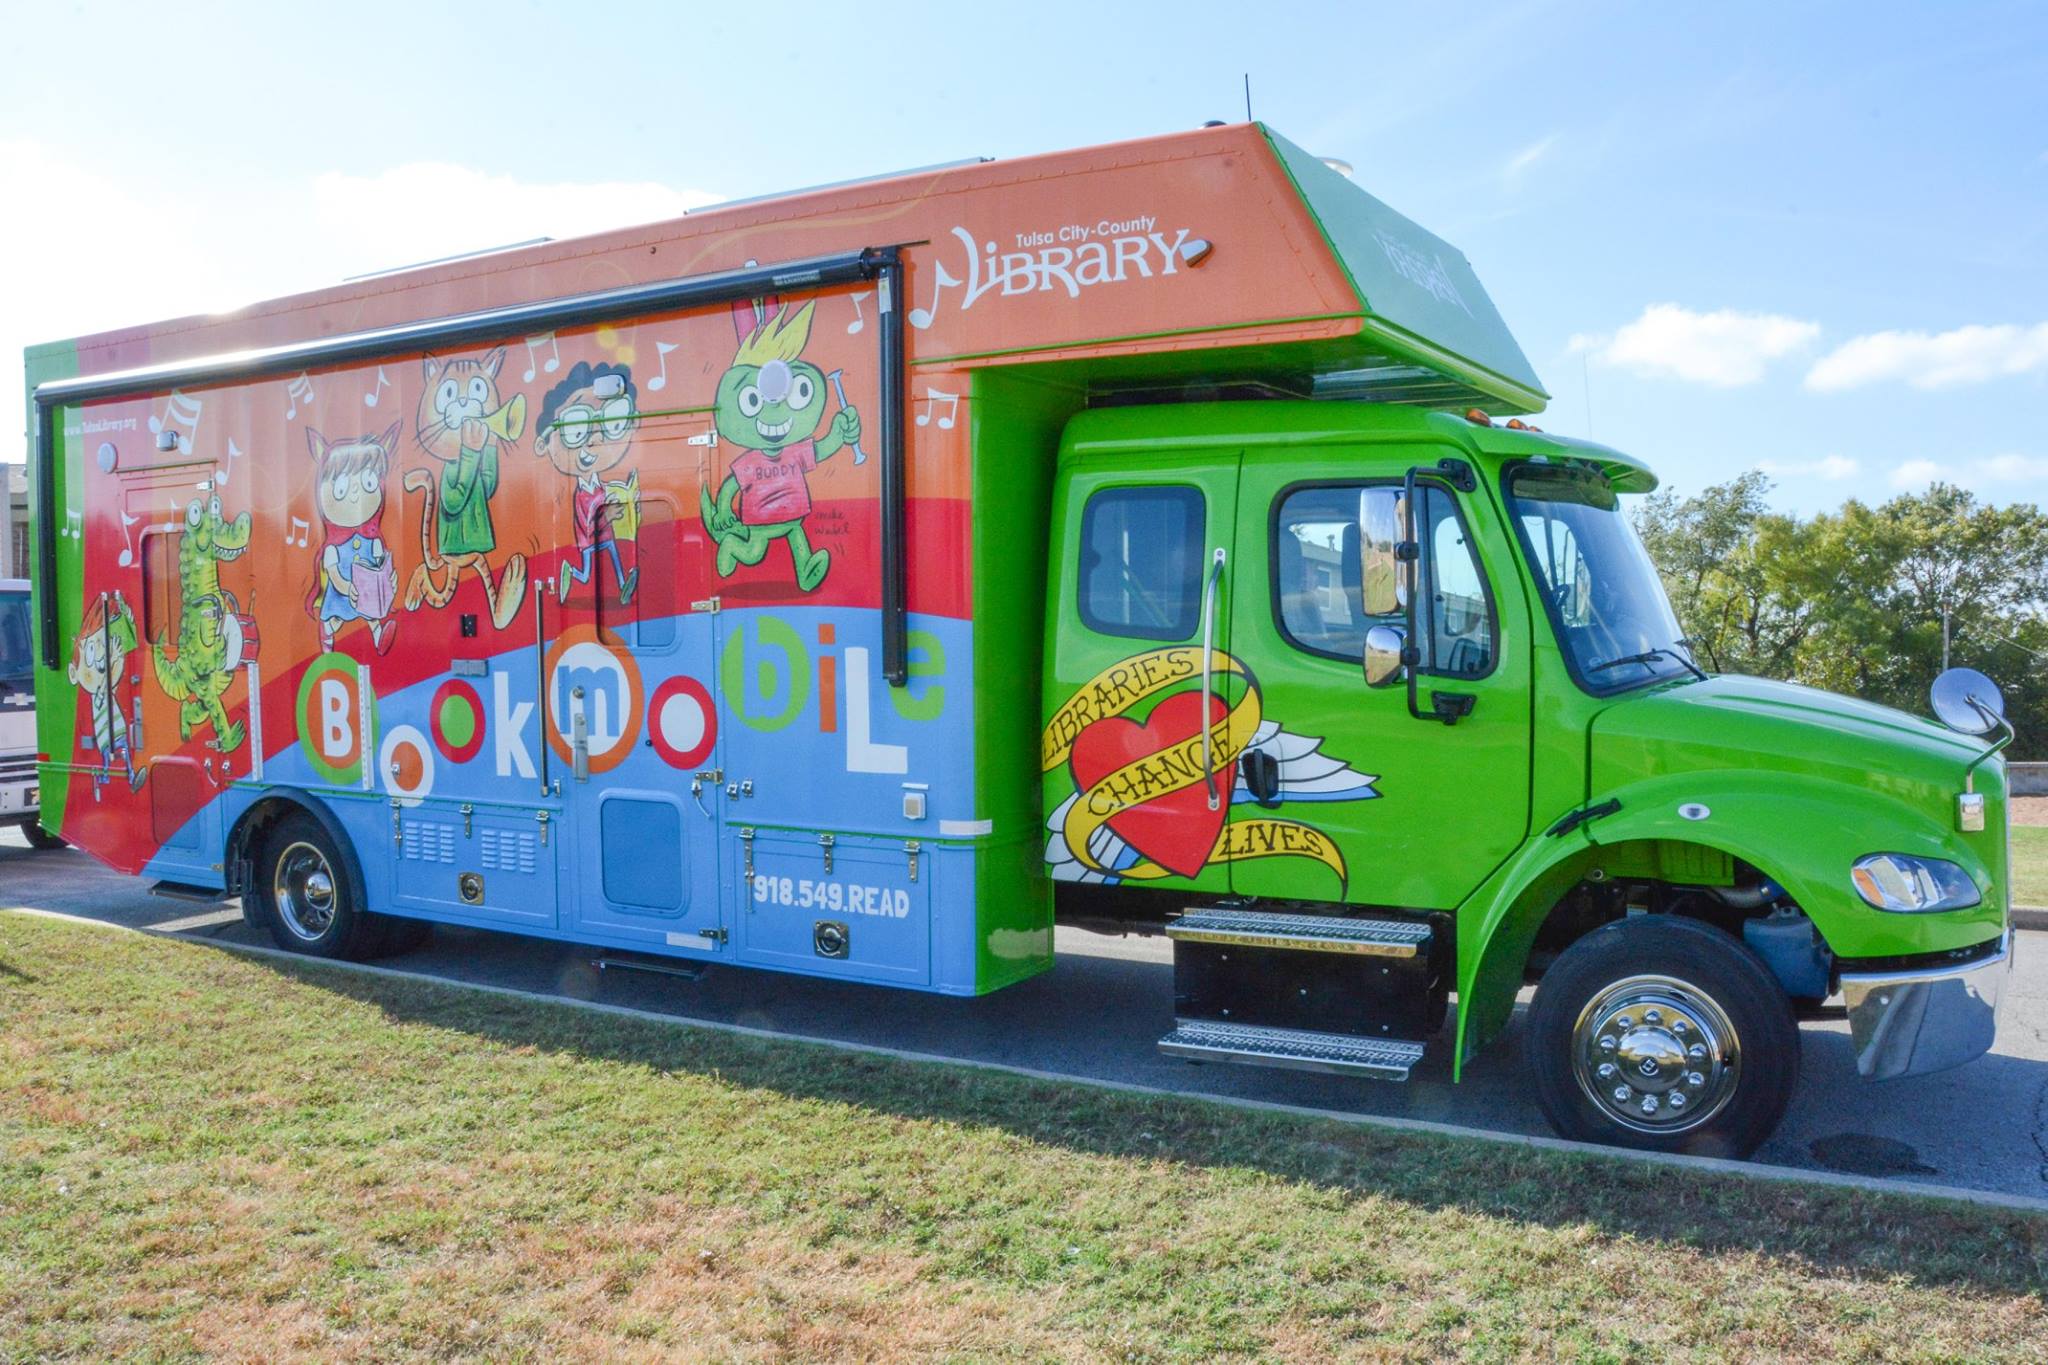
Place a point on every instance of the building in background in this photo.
(14, 524)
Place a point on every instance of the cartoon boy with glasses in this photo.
(586, 431)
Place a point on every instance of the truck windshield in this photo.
(1605, 601)
(15, 660)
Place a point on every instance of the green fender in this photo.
(1802, 832)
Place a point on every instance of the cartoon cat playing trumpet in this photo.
(462, 423)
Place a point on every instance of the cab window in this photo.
(1318, 569)
(1328, 539)
(1453, 615)
(1141, 562)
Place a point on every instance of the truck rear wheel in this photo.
(38, 837)
(1665, 1034)
(305, 897)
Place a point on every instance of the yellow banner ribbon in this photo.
(1261, 837)
(1121, 686)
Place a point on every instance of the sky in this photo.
(1811, 238)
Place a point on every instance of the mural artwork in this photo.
(462, 424)
(770, 403)
(355, 576)
(195, 667)
(99, 660)
(1141, 810)
(586, 432)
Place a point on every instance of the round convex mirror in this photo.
(1966, 701)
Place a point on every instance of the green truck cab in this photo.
(1447, 742)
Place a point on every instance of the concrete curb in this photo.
(2029, 917)
(1752, 1170)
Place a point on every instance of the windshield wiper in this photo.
(1650, 656)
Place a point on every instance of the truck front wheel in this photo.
(304, 896)
(1666, 1034)
(38, 837)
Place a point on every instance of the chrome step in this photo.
(1310, 933)
(184, 891)
(1206, 1040)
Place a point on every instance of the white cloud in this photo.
(1518, 164)
(1833, 468)
(1723, 348)
(1914, 473)
(1933, 360)
(1980, 473)
(153, 250)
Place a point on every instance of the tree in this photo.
(1855, 600)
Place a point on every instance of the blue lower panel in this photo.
(865, 918)
(492, 866)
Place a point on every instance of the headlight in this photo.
(1899, 881)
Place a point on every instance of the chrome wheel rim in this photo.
(1656, 1054)
(303, 888)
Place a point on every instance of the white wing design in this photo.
(1307, 773)
(1107, 849)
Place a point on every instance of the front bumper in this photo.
(1904, 1023)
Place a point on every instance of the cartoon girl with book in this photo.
(356, 579)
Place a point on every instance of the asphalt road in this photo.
(1098, 1013)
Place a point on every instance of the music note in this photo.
(304, 529)
(533, 345)
(921, 318)
(370, 398)
(74, 525)
(299, 391)
(660, 381)
(952, 402)
(234, 453)
(128, 551)
(184, 410)
(859, 320)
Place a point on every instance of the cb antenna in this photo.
(1247, 97)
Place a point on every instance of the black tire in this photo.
(38, 837)
(1657, 1007)
(305, 896)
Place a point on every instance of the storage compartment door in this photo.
(488, 866)
(866, 916)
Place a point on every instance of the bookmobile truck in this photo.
(859, 582)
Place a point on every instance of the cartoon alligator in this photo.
(209, 639)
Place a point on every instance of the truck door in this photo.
(1343, 793)
(631, 674)
(1144, 569)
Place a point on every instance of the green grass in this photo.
(2030, 865)
(206, 1154)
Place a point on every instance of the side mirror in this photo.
(1381, 574)
(1965, 701)
(1384, 648)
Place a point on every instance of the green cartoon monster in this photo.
(770, 403)
(210, 637)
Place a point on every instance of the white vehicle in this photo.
(18, 800)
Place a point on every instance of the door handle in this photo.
(579, 743)
(1208, 681)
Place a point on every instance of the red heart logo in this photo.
(1176, 830)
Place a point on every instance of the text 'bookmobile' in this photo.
(859, 581)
